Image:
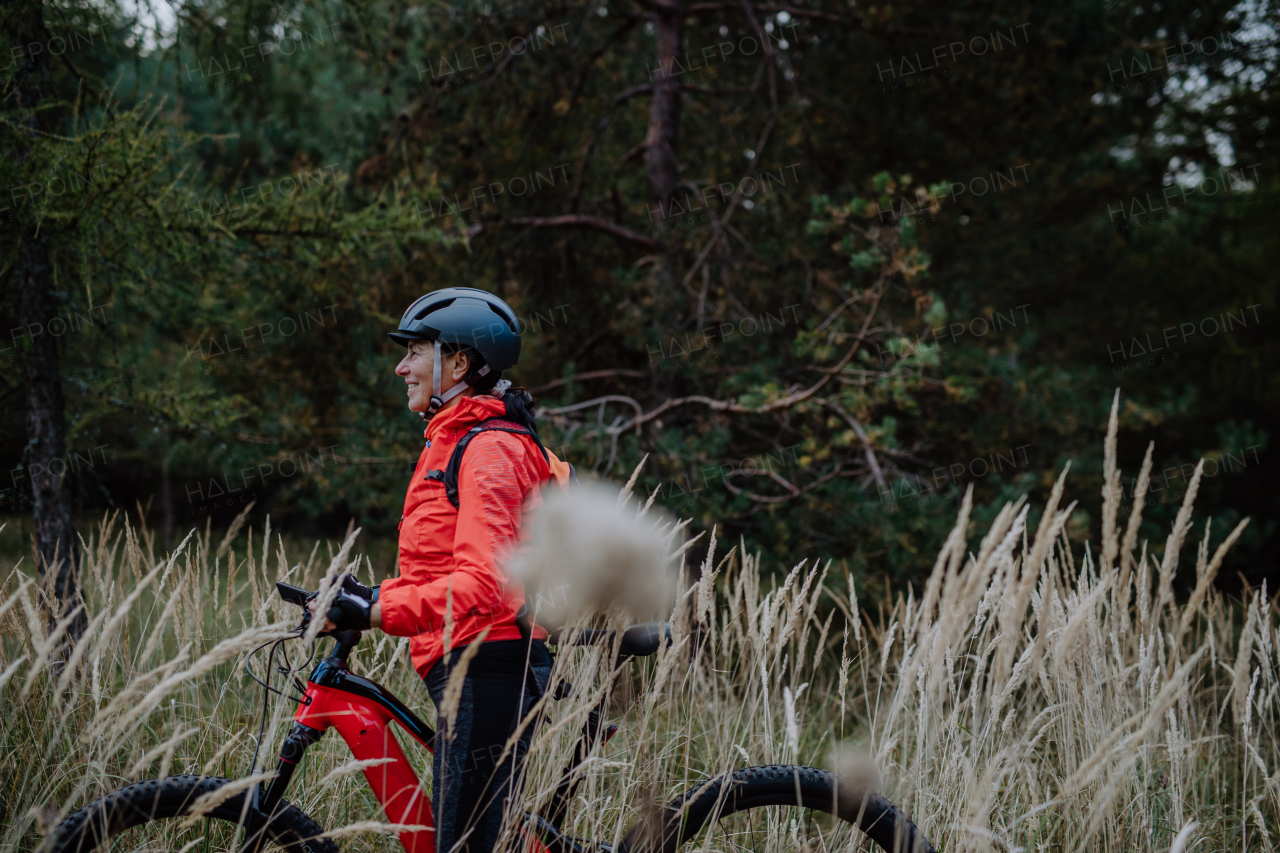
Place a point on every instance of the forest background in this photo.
(827, 264)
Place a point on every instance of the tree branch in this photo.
(695, 8)
(856, 21)
(648, 88)
(703, 90)
(619, 398)
(723, 221)
(575, 220)
(728, 405)
(627, 94)
(836, 313)
(490, 71)
(594, 374)
(581, 78)
(765, 499)
(768, 54)
(632, 154)
(862, 437)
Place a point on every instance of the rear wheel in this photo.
(128, 818)
(782, 808)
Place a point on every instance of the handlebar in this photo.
(346, 640)
(637, 641)
(299, 596)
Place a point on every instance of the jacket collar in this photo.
(467, 413)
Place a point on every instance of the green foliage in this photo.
(245, 184)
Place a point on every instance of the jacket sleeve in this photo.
(495, 477)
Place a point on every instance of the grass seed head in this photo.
(587, 552)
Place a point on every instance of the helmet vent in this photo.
(505, 318)
(431, 307)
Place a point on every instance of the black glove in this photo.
(350, 610)
(353, 586)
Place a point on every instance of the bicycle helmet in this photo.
(463, 317)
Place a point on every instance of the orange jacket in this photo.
(453, 559)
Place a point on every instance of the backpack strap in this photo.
(449, 476)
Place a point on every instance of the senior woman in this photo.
(460, 523)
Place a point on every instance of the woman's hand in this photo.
(328, 626)
(375, 617)
(357, 608)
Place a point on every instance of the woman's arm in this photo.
(496, 475)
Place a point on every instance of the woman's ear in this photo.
(461, 364)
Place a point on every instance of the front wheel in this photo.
(125, 817)
(778, 808)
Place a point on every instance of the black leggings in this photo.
(470, 786)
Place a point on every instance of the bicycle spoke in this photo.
(207, 836)
(778, 829)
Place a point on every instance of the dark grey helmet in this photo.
(464, 315)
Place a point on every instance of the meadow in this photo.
(1037, 694)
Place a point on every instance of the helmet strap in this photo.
(436, 400)
(439, 398)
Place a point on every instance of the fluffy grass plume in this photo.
(590, 550)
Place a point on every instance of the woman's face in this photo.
(416, 367)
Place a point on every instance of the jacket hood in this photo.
(467, 413)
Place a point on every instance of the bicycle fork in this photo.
(262, 803)
(362, 713)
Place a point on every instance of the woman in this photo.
(452, 586)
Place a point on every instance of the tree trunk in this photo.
(46, 463)
(57, 551)
(664, 124)
(664, 110)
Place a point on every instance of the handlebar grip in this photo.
(591, 636)
(643, 640)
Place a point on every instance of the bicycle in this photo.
(363, 712)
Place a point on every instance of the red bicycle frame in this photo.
(362, 712)
(365, 724)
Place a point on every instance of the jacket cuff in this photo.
(393, 610)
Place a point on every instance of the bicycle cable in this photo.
(268, 689)
(266, 697)
(294, 670)
(271, 657)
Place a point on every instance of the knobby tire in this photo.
(775, 786)
(173, 797)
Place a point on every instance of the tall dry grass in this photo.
(1037, 694)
